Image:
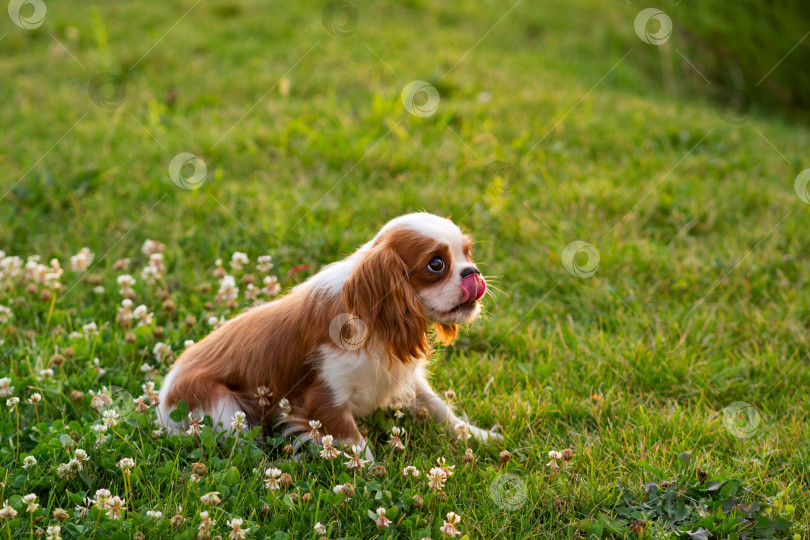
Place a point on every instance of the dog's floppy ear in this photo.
(379, 293)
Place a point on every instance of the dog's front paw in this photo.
(485, 436)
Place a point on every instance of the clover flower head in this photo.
(238, 422)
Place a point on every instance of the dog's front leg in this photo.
(441, 412)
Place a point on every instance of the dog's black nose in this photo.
(470, 271)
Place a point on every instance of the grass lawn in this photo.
(550, 129)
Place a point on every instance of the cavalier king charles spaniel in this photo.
(350, 340)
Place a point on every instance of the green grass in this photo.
(699, 300)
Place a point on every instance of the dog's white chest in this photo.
(365, 383)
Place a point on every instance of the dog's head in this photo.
(417, 272)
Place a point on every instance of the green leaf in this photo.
(729, 489)
(180, 412)
(232, 476)
(208, 437)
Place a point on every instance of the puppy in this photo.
(348, 341)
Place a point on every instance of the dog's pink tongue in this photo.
(474, 287)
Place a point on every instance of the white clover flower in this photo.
(51, 279)
(271, 286)
(448, 469)
(227, 289)
(188, 343)
(161, 351)
(395, 441)
(195, 425)
(5, 387)
(110, 418)
(82, 260)
(126, 281)
(151, 247)
(285, 407)
(101, 399)
(238, 421)
(102, 499)
(7, 512)
(126, 463)
(90, 330)
(382, 521)
(328, 451)
(64, 472)
(211, 498)
(154, 514)
(449, 526)
(239, 260)
(264, 263)
(436, 478)
(30, 501)
(355, 461)
(151, 274)
(100, 429)
(319, 528)
(271, 477)
(116, 507)
(215, 323)
(36, 397)
(410, 470)
(315, 426)
(263, 394)
(237, 532)
(12, 401)
(29, 461)
(5, 314)
(142, 314)
(53, 532)
(553, 454)
(463, 430)
(205, 525)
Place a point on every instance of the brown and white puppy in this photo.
(348, 341)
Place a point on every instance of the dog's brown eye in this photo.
(436, 265)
